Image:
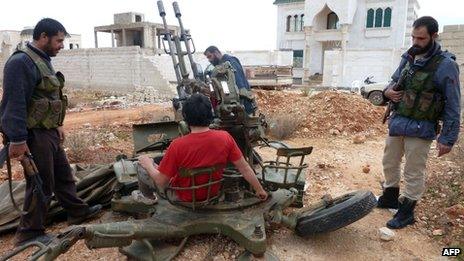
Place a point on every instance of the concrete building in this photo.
(131, 29)
(14, 39)
(345, 40)
(11, 39)
(136, 60)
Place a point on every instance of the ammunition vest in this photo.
(47, 107)
(422, 100)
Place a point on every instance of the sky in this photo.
(229, 24)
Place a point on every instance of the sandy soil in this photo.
(335, 167)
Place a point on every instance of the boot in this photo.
(91, 212)
(26, 238)
(405, 214)
(389, 198)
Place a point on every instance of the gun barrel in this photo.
(168, 38)
(187, 40)
(175, 5)
(161, 10)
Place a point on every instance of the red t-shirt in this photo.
(197, 150)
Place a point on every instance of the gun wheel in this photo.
(342, 211)
(376, 98)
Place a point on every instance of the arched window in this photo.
(378, 17)
(387, 17)
(370, 18)
(289, 18)
(332, 21)
(302, 22)
(295, 29)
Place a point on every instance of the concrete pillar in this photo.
(96, 39)
(124, 37)
(307, 53)
(112, 38)
(344, 29)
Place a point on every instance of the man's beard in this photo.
(417, 50)
(49, 49)
(216, 61)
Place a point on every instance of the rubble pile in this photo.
(325, 113)
(145, 95)
(141, 96)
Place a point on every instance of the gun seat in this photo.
(281, 173)
(172, 190)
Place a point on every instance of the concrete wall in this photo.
(163, 62)
(359, 64)
(120, 69)
(452, 39)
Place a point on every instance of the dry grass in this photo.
(306, 91)
(78, 145)
(282, 126)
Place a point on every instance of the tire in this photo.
(376, 98)
(345, 210)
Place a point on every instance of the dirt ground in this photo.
(335, 167)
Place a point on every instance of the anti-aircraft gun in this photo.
(235, 212)
(219, 85)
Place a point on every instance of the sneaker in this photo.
(138, 196)
(42, 238)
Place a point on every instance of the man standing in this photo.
(32, 113)
(215, 57)
(430, 94)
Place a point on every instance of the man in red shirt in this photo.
(203, 147)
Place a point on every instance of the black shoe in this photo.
(389, 198)
(91, 212)
(404, 216)
(42, 238)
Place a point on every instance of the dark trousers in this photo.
(54, 169)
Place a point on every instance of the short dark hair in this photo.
(50, 27)
(211, 49)
(429, 22)
(197, 110)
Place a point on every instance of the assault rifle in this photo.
(30, 171)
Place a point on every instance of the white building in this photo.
(345, 40)
(10, 39)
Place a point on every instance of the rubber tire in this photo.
(357, 206)
(376, 98)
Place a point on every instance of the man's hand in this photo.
(393, 95)
(262, 194)
(60, 130)
(147, 163)
(443, 149)
(18, 150)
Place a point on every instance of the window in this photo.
(332, 21)
(378, 17)
(138, 18)
(370, 18)
(71, 46)
(77, 46)
(298, 58)
(387, 17)
(302, 22)
(289, 18)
